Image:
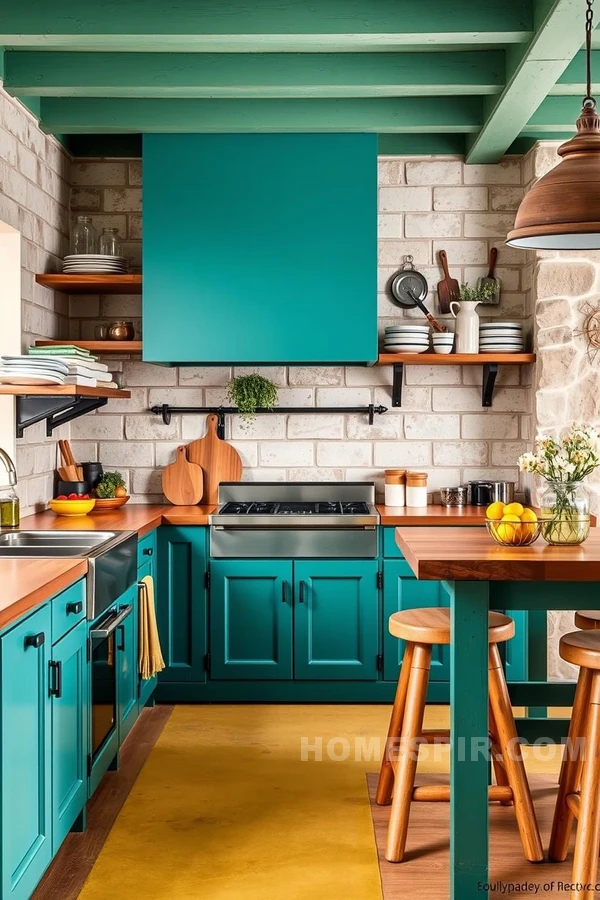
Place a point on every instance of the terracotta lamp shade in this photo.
(562, 210)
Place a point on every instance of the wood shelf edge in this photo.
(455, 359)
(61, 390)
(91, 284)
(101, 347)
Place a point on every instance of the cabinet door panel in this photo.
(181, 602)
(251, 619)
(336, 619)
(127, 665)
(69, 732)
(25, 757)
(401, 590)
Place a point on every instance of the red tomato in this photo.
(74, 497)
(85, 497)
(62, 497)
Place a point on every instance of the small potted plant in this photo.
(467, 318)
(251, 392)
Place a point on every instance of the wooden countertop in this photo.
(477, 557)
(26, 583)
(140, 517)
(434, 514)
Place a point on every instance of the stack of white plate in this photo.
(94, 264)
(406, 338)
(501, 337)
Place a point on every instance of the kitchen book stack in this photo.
(58, 364)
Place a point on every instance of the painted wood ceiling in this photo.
(473, 76)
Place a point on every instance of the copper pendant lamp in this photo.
(562, 210)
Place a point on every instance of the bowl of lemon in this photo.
(512, 524)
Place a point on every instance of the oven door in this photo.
(104, 737)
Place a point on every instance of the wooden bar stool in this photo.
(581, 766)
(421, 629)
(587, 619)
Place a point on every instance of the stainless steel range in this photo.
(303, 520)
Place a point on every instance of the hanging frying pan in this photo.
(409, 289)
(406, 282)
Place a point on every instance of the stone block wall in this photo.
(425, 204)
(34, 199)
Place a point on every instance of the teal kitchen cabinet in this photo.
(336, 628)
(25, 755)
(126, 650)
(68, 687)
(181, 602)
(296, 212)
(401, 590)
(251, 612)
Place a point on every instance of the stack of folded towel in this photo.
(56, 364)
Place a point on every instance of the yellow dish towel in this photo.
(150, 657)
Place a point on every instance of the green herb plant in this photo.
(482, 293)
(251, 392)
(106, 487)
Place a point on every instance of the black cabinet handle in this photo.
(55, 689)
(301, 594)
(35, 640)
(75, 608)
(148, 551)
(284, 591)
(121, 630)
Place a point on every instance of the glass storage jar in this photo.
(84, 238)
(110, 243)
(565, 512)
(9, 508)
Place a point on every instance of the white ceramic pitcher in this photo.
(467, 326)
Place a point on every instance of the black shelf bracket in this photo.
(398, 370)
(56, 410)
(490, 371)
(167, 411)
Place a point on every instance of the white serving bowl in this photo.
(443, 342)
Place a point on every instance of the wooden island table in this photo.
(481, 575)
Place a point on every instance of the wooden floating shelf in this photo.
(92, 284)
(101, 347)
(455, 359)
(489, 361)
(61, 390)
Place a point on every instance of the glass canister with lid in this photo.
(10, 515)
(84, 238)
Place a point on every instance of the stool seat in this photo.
(431, 625)
(587, 618)
(582, 648)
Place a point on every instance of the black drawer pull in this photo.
(284, 591)
(121, 631)
(301, 593)
(74, 608)
(35, 640)
(55, 689)
(147, 551)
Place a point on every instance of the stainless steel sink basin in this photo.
(55, 543)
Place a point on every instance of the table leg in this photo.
(469, 605)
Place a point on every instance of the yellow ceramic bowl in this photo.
(71, 507)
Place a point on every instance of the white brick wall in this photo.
(425, 205)
(34, 198)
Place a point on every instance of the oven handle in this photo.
(111, 623)
(294, 527)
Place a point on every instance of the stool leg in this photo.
(385, 784)
(513, 760)
(497, 762)
(570, 774)
(587, 841)
(406, 765)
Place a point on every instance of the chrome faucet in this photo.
(9, 466)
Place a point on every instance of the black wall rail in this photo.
(167, 411)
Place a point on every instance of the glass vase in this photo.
(565, 511)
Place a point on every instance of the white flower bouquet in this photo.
(564, 464)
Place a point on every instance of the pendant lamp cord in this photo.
(589, 100)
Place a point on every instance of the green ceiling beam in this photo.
(573, 79)
(165, 25)
(556, 42)
(556, 115)
(404, 115)
(253, 75)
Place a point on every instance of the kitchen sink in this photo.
(111, 555)
(54, 543)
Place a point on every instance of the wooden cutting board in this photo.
(448, 289)
(218, 459)
(182, 481)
